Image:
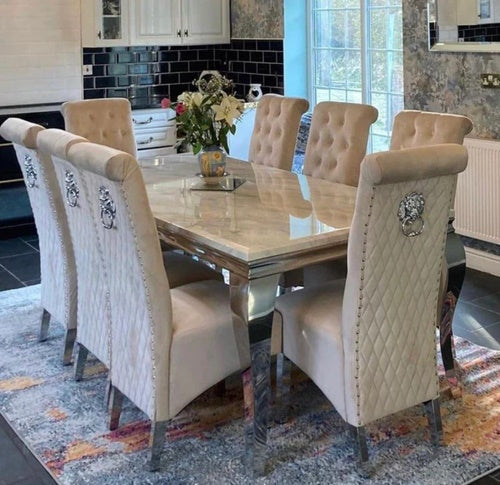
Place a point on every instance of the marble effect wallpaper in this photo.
(447, 82)
(257, 19)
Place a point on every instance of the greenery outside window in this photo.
(356, 56)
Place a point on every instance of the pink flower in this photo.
(180, 108)
(165, 103)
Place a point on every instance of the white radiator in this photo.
(477, 203)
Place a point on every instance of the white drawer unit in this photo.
(155, 131)
(152, 118)
(155, 138)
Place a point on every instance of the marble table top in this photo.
(274, 213)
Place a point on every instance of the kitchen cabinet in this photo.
(154, 22)
(467, 12)
(205, 21)
(155, 132)
(105, 23)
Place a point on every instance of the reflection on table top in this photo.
(273, 213)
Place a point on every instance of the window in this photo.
(356, 56)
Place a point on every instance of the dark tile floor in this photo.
(477, 318)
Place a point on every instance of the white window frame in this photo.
(366, 80)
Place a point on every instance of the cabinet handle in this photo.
(149, 120)
(146, 142)
(179, 33)
(186, 33)
(99, 34)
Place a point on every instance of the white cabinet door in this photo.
(466, 12)
(205, 21)
(111, 22)
(155, 22)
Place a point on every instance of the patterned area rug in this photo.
(65, 424)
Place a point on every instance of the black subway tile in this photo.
(105, 82)
(94, 93)
(104, 58)
(172, 78)
(179, 66)
(250, 45)
(88, 83)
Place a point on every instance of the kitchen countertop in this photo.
(30, 108)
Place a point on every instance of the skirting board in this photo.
(482, 261)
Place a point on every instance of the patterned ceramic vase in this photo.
(212, 161)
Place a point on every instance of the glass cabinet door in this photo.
(112, 21)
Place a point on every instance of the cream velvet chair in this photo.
(57, 264)
(335, 149)
(369, 342)
(275, 131)
(337, 141)
(93, 313)
(168, 345)
(94, 324)
(410, 129)
(104, 121)
(420, 128)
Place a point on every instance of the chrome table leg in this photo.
(252, 301)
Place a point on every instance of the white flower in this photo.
(197, 99)
(228, 110)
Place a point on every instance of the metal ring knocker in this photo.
(31, 174)
(72, 190)
(410, 212)
(108, 208)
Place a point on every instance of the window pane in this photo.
(338, 73)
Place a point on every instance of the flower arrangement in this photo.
(208, 115)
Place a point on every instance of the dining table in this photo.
(275, 221)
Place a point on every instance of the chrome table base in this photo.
(252, 301)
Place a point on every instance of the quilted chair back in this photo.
(395, 254)
(138, 288)
(93, 314)
(275, 131)
(57, 264)
(104, 121)
(337, 141)
(419, 128)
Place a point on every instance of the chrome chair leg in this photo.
(283, 387)
(156, 442)
(115, 407)
(365, 467)
(69, 343)
(81, 358)
(433, 412)
(44, 326)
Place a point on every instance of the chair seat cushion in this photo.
(206, 345)
(182, 270)
(312, 336)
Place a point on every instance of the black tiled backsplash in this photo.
(479, 33)
(432, 33)
(147, 74)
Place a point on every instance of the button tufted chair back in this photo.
(93, 315)
(395, 256)
(57, 265)
(139, 294)
(420, 128)
(275, 131)
(337, 141)
(104, 121)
